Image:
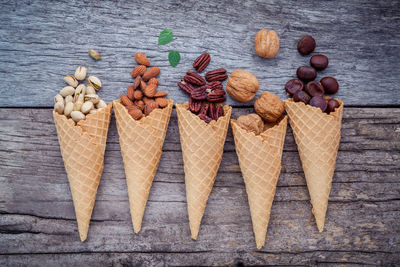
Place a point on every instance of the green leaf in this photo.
(174, 57)
(165, 37)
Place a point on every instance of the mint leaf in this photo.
(165, 37)
(174, 57)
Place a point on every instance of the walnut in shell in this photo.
(252, 123)
(242, 85)
(269, 107)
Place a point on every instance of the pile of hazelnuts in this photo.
(305, 89)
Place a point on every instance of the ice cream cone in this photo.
(317, 136)
(260, 163)
(82, 148)
(141, 144)
(202, 149)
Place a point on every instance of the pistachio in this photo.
(94, 54)
(79, 98)
(67, 90)
(71, 80)
(80, 73)
(93, 111)
(58, 98)
(80, 89)
(69, 98)
(77, 106)
(59, 107)
(68, 108)
(95, 82)
(101, 104)
(77, 116)
(92, 98)
(86, 107)
(90, 90)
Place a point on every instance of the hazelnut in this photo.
(251, 122)
(266, 43)
(269, 107)
(242, 85)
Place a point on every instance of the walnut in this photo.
(269, 107)
(251, 122)
(266, 43)
(242, 85)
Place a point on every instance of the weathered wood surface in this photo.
(40, 42)
(38, 227)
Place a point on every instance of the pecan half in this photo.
(199, 93)
(220, 111)
(194, 105)
(205, 118)
(212, 111)
(194, 78)
(215, 85)
(202, 62)
(204, 108)
(187, 87)
(216, 96)
(216, 75)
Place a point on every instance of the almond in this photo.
(138, 95)
(150, 107)
(160, 94)
(130, 107)
(141, 59)
(153, 81)
(142, 85)
(139, 104)
(151, 73)
(161, 102)
(130, 92)
(136, 113)
(150, 90)
(147, 100)
(138, 71)
(125, 100)
(137, 81)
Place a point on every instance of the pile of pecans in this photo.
(141, 98)
(76, 100)
(206, 95)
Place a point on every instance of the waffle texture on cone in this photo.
(141, 144)
(260, 164)
(202, 149)
(82, 148)
(317, 136)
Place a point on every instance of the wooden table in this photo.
(40, 42)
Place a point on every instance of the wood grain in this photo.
(37, 221)
(40, 42)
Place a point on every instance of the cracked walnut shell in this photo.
(269, 107)
(242, 85)
(252, 123)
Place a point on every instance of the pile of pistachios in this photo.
(75, 101)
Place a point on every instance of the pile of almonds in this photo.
(142, 98)
(305, 89)
(206, 95)
(77, 100)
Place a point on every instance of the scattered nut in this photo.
(251, 122)
(94, 54)
(266, 43)
(67, 90)
(80, 73)
(138, 71)
(95, 82)
(71, 80)
(242, 85)
(77, 116)
(269, 107)
(141, 59)
(59, 107)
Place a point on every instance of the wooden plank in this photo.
(37, 221)
(41, 42)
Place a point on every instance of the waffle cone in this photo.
(141, 144)
(317, 136)
(260, 163)
(202, 149)
(82, 148)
